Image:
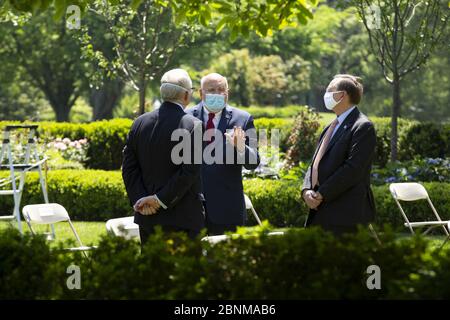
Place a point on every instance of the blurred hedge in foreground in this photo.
(302, 264)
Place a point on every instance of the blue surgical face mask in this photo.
(214, 102)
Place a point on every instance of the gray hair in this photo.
(174, 84)
(213, 76)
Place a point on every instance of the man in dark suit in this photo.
(164, 192)
(230, 142)
(336, 187)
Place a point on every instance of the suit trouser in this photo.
(337, 230)
(215, 229)
(145, 233)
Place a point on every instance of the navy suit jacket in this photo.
(222, 183)
(148, 169)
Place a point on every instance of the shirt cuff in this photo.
(161, 203)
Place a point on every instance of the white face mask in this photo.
(329, 101)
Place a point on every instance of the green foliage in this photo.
(273, 112)
(250, 265)
(261, 17)
(94, 195)
(276, 201)
(106, 139)
(416, 170)
(25, 266)
(383, 131)
(279, 202)
(268, 79)
(283, 126)
(236, 66)
(303, 139)
(424, 139)
(106, 142)
(263, 79)
(89, 195)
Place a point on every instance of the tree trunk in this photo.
(395, 114)
(61, 112)
(142, 85)
(105, 99)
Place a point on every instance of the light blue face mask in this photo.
(214, 102)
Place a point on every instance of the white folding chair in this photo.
(223, 237)
(50, 213)
(123, 227)
(412, 191)
(249, 206)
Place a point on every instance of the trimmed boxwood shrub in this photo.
(88, 195)
(424, 138)
(95, 195)
(302, 264)
(107, 138)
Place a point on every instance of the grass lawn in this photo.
(89, 232)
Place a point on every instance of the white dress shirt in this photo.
(216, 119)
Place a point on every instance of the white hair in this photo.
(213, 76)
(174, 84)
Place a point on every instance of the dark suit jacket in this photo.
(148, 169)
(344, 175)
(222, 183)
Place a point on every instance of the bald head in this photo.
(176, 86)
(214, 79)
(214, 83)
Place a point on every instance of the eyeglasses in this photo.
(215, 91)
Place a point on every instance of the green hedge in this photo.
(94, 195)
(107, 138)
(302, 264)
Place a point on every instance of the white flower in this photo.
(66, 140)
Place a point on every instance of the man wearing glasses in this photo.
(227, 130)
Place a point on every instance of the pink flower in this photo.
(60, 146)
(66, 140)
(83, 141)
(73, 144)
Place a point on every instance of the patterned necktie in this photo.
(210, 125)
(320, 153)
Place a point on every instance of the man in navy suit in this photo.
(161, 191)
(230, 142)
